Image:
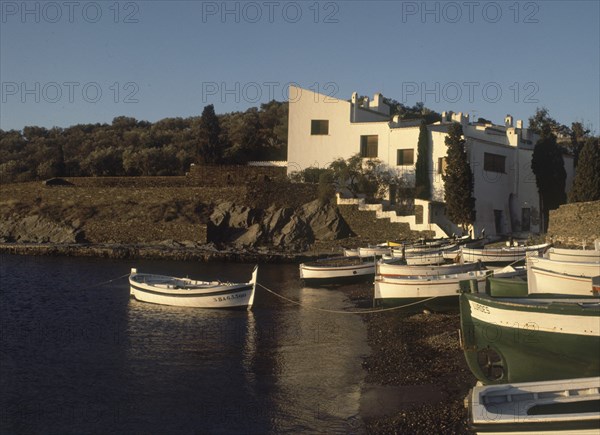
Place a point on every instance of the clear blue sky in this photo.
(155, 59)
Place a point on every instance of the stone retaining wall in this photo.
(216, 175)
(575, 224)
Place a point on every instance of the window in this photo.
(493, 162)
(368, 146)
(405, 157)
(441, 166)
(319, 127)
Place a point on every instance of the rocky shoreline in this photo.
(166, 250)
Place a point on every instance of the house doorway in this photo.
(499, 221)
(525, 219)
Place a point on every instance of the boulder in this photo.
(250, 237)
(325, 221)
(296, 234)
(286, 228)
(37, 229)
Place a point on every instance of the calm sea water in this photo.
(80, 358)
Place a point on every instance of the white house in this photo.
(322, 129)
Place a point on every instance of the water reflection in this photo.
(81, 359)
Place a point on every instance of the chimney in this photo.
(508, 121)
(376, 101)
(354, 97)
(519, 123)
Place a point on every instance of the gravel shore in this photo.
(420, 356)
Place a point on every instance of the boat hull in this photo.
(544, 281)
(574, 255)
(587, 269)
(529, 339)
(400, 270)
(426, 259)
(431, 291)
(337, 270)
(500, 255)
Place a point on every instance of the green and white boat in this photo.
(531, 338)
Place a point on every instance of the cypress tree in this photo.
(586, 185)
(422, 183)
(209, 142)
(458, 180)
(548, 167)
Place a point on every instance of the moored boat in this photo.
(374, 251)
(522, 339)
(560, 406)
(574, 255)
(401, 290)
(185, 292)
(501, 255)
(422, 250)
(424, 259)
(338, 269)
(369, 251)
(392, 269)
(545, 281)
(587, 269)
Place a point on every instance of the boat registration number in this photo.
(481, 308)
(229, 297)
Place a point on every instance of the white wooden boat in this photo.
(455, 256)
(420, 260)
(574, 255)
(338, 269)
(544, 281)
(421, 250)
(549, 407)
(374, 251)
(393, 291)
(369, 251)
(501, 255)
(399, 270)
(586, 269)
(185, 292)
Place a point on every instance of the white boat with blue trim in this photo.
(185, 292)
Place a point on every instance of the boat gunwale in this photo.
(177, 293)
(541, 303)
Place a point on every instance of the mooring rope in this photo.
(107, 282)
(310, 307)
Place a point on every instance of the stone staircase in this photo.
(411, 220)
